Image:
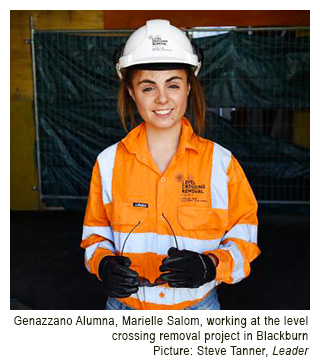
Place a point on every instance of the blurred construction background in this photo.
(256, 76)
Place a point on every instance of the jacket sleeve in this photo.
(239, 244)
(97, 236)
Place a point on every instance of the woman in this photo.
(170, 215)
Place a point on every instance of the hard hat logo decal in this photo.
(158, 43)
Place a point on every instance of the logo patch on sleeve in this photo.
(139, 204)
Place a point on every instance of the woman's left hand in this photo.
(187, 269)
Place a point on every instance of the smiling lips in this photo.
(163, 113)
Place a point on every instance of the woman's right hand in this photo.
(118, 279)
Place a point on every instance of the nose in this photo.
(162, 96)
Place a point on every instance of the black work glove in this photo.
(187, 269)
(118, 279)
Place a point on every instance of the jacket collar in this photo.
(136, 141)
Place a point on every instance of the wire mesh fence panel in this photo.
(257, 93)
(76, 104)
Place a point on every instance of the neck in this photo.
(163, 139)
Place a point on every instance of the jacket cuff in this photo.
(94, 262)
(225, 265)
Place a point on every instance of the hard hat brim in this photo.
(161, 66)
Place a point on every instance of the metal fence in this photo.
(263, 121)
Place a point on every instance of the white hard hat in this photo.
(160, 43)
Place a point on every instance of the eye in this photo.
(147, 89)
(174, 86)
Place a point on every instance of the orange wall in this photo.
(131, 19)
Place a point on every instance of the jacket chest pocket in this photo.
(195, 218)
(121, 213)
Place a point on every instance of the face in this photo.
(161, 97)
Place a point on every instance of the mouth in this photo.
(163, 113)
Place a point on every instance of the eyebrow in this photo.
(153, 82)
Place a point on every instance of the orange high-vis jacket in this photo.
(205, 196)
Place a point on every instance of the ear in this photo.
(118, 71)
(189, 88)
(131, 94)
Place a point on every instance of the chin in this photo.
(164, 123)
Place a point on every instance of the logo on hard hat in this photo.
(158, 41)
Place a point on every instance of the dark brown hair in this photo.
(196, 101)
